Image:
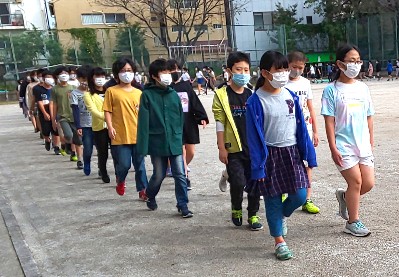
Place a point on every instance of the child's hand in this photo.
(203, 123)
(337, 157)
(223, 155)
(315, 139)
(111, 133)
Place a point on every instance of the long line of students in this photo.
(266, 139)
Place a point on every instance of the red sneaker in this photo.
(120, 188)
(143, 196)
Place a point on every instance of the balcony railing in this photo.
(11, 21)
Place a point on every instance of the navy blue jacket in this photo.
(257, 141)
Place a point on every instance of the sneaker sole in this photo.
(344, 216)
(309, 212)
(256, 229)
(187, 216)
(285, 258)
(347, 231)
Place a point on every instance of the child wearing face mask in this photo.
(159, 135)
(229, 109)
(278, 143)
(73, 76)
(348, 113)
(61, 114)
(82, 117)
(94, 100)
(302, 88)
(121, 108)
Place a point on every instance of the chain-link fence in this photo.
(376, 36)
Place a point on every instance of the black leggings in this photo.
(102, 141)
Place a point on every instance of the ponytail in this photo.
(260, 82)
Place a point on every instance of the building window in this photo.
(109, 18)
(199, 28)
(263, 20)
(177, 28)
(309, 19)
(182, 4)
(217, 26)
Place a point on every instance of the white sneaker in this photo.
(223, 181)
(356, 229)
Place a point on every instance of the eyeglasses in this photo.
(355, 62)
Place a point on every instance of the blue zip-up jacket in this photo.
(257, 141)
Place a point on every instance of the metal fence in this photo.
(21, 51)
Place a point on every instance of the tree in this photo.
(187, 19)
(132, 39)
(89, 49)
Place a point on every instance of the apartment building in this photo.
(254, 31)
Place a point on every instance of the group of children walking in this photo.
(266, 139)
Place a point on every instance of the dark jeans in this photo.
(88, 143)
(102, 141)
(125, 155)
(239, 171)
(160, 164)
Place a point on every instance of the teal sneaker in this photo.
(236, 217)
(282, 252)
(254, 223)
(357, 229)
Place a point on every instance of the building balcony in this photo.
(11, 21)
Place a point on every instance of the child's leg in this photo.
(177, 166)
(190, 150)
(253, 202)
(294, 201)
(360, 180)
(122, 154)
(274, 215)
(235, 170)
(309, 190)
(139, 167)
(159, 173)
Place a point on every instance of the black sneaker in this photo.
(105, 178)
(185, 212)
(79, 165)
(57, 150)
(188, 184)
(152, 204)
(68, 149)
(47, 145)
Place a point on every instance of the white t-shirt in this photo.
(303, 90)
(137, 78)
(185, 77)
(312, 71)
(350, 104)
(199, 75)
(225, 75)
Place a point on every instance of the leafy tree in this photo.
(89, 49)
(133, 42)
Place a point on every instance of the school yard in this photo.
(62, 223)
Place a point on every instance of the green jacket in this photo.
(222, 113)
(160, 123)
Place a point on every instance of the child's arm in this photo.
(108, 120)
(314, 122)
(91, 106)
(370, 122)
(220, 118)
(330, 131)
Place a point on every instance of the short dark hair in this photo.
(120, 63)
(46, 72)
(40, 71)
(32, 73)
(172, 65)
(236, 57)
(72, 68)
(157, 66)
(268, 60)
(297, 56)
(83, 71)
(59, 69)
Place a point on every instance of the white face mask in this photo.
(100, 81)
(295, 73)
(63, 77)
(41, 79)
(126, 77)
(352, 70)
(36, 79)
(49, 81)
(280, 79)
(72, 76)
(166, 79)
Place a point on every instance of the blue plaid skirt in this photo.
(285, 172)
